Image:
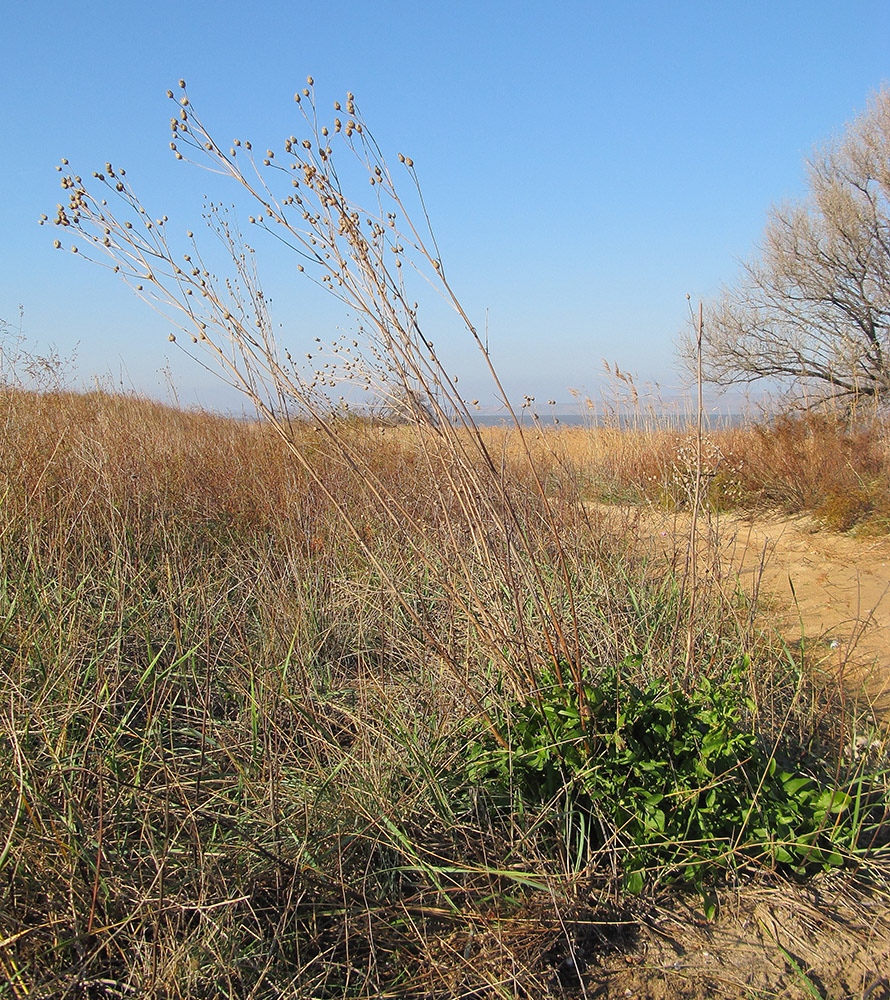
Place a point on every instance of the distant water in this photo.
(624, 421)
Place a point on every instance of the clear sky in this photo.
(585, 165)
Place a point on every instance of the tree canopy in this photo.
(811, 308)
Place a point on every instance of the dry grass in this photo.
(808, 462)
(232, 758)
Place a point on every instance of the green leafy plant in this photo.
(676, 783)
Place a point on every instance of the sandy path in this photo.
(829, 589)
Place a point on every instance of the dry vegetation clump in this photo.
(821, 463)
(811, 462)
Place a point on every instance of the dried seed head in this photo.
(182, 84)
(309, 80)
(169, 93)
(172, 338)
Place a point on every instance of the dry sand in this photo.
(830, 591)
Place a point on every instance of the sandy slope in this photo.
(826, 586)
(829, 590)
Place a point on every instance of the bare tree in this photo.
(812, 308)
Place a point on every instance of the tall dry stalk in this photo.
(518, 593)
(692, 558)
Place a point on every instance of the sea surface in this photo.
(628, 421)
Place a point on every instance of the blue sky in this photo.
(585, 165)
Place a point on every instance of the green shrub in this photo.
(678, 785)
